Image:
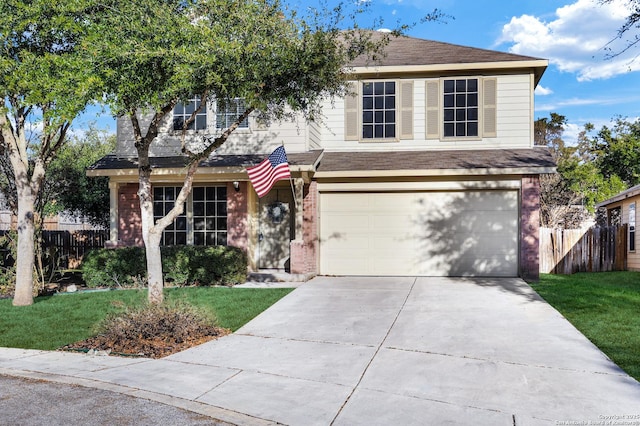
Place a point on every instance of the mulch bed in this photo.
(156, 347)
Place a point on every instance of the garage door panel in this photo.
(391, 202)
(349, 221)
(387, 223)
(345, 203)
(471, 233)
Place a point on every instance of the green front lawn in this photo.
(605, 307)
(54, 321)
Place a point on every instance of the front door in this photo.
(275, 229)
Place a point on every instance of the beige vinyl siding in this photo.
(292, 133)
(419, 109)
(514, 114)
(315, 135)
(252, 140)
(514, 126)
(124, 131)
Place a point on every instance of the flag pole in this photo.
(293, 190)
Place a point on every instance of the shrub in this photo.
(200, 265)
(182, 265)
(8, 254)
(114, 267)
(7, 264)
(153, 330)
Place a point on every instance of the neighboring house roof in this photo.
(407, 52)
(490, 161)
(631, 192)
(487, 161)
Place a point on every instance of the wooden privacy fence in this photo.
(68, 247)
(600, 249)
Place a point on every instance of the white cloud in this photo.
(576, 102)
(543, 91)
(571, 132)
(575, 39)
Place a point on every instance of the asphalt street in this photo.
(28, 402)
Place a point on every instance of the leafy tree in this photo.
(44, 85)
(616, 151)
(569, 197)
(548, 132)
(632, 22)
(67, 187)
(560, 205)
(155, 53)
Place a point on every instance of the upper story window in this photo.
(183, 111)
(460, 108)
(228, 112)
(379, 110)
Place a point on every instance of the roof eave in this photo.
(180, 171)
(631, 192)
(537, 65)
(433, 172)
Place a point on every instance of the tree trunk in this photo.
(151, 237)
(154, 270)
(26, 248)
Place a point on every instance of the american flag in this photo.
(269, 171)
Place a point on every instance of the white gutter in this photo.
(434, 172)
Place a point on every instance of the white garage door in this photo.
(459, 233)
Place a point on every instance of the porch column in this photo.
(299, 203)
(297, 246)
(113, 215)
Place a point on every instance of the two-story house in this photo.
(427, 169)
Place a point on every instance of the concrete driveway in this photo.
(384, 351)
(415, 351)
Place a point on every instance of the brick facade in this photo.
(238, 216)
(129, 220)
(304, 254)
(529, 228)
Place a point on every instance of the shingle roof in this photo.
(364, 161)
(405, 50)
(111, 162)
(424, 160)
(631, 192)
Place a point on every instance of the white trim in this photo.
(220, 173)
(407, 69)
(434, 172)
(419, 186)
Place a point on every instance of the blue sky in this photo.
(579, 83)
